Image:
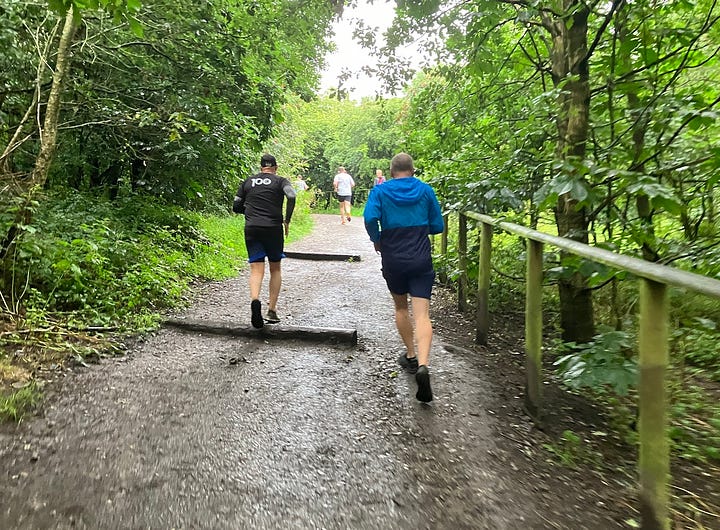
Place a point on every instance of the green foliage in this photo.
(224, 253)
(321, 135)
(120, 262)
(103, 267)
(696, 343)
(17, 404)
(165, 99)
(605, 362)
(695, 423)
(596, 273)
(120, 10)
(507, 279)
(482, 124)
(302, 223)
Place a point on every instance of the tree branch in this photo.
(608, 18)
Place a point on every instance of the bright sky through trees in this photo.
(351, 56)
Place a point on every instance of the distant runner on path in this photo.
(261, 198)
(399, 216)
(343, 184)
(379, 177)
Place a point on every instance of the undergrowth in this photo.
(15, 405)
(605, 369)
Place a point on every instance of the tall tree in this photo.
(569, 58)
(48, 132)
(617, 125)
(171, 100)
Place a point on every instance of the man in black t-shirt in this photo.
(261, 198)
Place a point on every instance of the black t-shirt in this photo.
(261, 199)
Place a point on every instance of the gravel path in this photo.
(194, 431)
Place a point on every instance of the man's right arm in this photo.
(239, 201)
(372, 217)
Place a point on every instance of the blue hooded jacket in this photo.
(400, 214)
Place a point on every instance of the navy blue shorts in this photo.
(344, 198)
(262, 241)
(416, 282)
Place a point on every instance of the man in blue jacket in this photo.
(399, 216)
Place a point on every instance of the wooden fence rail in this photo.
(654, 457)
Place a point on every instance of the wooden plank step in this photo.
(315, 256)
(271, 331)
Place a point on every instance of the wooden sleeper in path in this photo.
(271, 331)
(315, 256)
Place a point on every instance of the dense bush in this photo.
(104, 262)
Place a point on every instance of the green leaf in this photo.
(59, 6)
(135, 26)
(660, 195)
(668, 204)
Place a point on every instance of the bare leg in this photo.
(257, 273)
(348, 208)
(275, 283)
(423, 328)
(342, 211)
(403, 323)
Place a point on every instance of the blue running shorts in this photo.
(403, 281)
(262, 241)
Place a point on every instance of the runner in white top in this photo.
(343, 184)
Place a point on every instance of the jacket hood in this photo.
(404, 190)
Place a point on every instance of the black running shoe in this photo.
(409, 363)
(256, 314)
(272, 317)
(424, 392)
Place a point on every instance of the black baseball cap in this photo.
(268, 161)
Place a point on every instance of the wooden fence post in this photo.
(462, 255)
(533, 329)
(482, 317)
(654, 457)
(654, 464)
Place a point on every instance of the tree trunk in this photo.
(576, 308)
(571, 73)
(48, 134)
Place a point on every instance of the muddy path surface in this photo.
(204, 431)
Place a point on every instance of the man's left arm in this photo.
(291, 196)
(436, 223)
